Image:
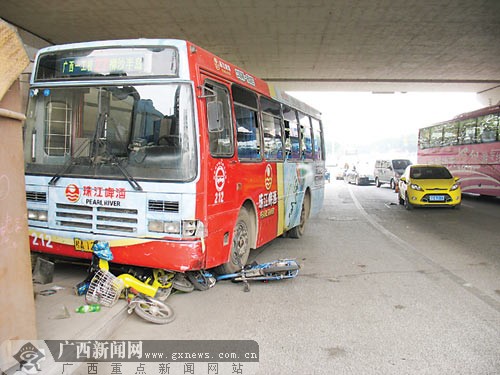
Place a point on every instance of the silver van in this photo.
(388, 171)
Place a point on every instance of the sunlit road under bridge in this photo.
(382, 290)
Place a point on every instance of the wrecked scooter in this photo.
(143, 297)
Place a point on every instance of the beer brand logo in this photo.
(269, 177)
(222, 66)
(220, 176)
(72, 193)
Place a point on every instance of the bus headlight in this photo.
(190, 228)
(193, 228)
(39, 215)
(159, 226)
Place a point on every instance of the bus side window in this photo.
(306, 147)
(318, 147)
(467, 131)
(271, 128)
(424, 138)
(436, 136)
(450, 134)
(220, 127)
(247, 128)
(488, 128)
(292, 146)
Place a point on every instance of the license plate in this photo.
(83, 245)
(436, 198)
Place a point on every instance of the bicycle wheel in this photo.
(154, 311)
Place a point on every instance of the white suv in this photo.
(388, 171)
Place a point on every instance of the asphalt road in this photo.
(382, 290)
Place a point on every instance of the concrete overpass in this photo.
(336, 45)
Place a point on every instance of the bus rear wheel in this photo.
(240, 248)
(298, 231)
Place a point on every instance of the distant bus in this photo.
(469, 145)
(177, 158)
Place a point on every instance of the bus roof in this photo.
(140, 42)
(205, 58)
(467, 115)
(478, 112)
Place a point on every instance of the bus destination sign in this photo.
(104, 65)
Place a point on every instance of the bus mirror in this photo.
(403, 179)
(215, 117)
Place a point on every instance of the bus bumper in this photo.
(174, 255)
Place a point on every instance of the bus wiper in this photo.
(59, 174)
(69, 163)
(131, 180)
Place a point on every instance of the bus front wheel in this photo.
(240, 248)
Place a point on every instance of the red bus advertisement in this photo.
(469, 145)
(177, 158)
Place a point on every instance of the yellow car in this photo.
(429, 185)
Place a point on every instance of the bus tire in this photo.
(240, 248)
(298, 231)
(377, 182)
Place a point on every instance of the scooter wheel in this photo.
(181, 283)
(200, 281)
(154, 311)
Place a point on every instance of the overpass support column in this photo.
(17, 305)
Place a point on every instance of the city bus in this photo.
(177, 158)
(469, 145)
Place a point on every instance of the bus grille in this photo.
(104, 219)
(163, 206)
(36, 196)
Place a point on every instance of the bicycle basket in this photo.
(104, 289)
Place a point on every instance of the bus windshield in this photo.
(146, 131)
